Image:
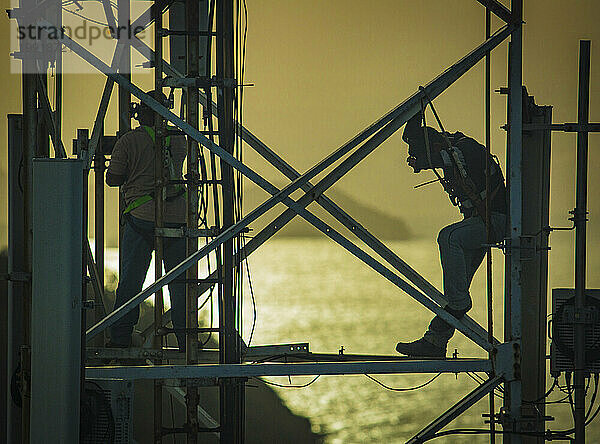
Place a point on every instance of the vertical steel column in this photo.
(16, 264)
(159, 207)
(488, 143)
(232, 392)
(83, 153)
(580, 219)
(192, 26)
(514, 174)
(123, 18)
(534, 280)
(99, 167)
(30, 124)
(58, 84)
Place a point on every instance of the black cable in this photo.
(588, 421)
(251, 292)
(570, 393)
(394, 389)
(289, 386)
(20, 174)
(593, 396)
(544, 396)
(549, 435)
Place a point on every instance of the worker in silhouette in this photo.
(132, 169)
(461, 244)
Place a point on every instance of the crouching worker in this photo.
(463, 162)
(132, 169)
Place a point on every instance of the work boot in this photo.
(421, 348)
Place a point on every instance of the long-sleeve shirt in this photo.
(133, 158)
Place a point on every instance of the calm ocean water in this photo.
(311, 290)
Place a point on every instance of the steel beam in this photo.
(59, 149)
(232, 391)
(98, 127)
(16, 265)
(580, 219)
(192, 43)
(536, 192)
(498, 9)
(296, 369)
(513, 396)
(30, 126)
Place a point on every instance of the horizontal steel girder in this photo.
(295, 369)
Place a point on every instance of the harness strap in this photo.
(453, 159)
(148, 197)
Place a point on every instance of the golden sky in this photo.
(324, 70)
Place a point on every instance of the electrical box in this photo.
(562, 331)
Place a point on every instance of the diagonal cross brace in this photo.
(337, 212)
(355, 227)
(325, 183)
(498, 9)
(456, 410)
(330, 157)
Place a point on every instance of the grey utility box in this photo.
(562, 346)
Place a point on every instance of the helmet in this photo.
(143, 113)
(414, 136)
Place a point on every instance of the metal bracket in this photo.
(279, 349)
(507, 360)
(527, 246)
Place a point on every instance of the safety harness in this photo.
(176, 188)
(470, 199)
(454, 161)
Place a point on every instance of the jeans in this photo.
(136, 248)
(461, 253)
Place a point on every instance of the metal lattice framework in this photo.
(503, 365)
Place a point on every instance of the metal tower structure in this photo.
(196, 29)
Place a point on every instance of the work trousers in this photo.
(461, 252)
(136, 248)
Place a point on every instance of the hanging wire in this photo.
(394, 389)
(548, 435)
(85, 18)
(251, 293)
(545, 395)
(288, 385)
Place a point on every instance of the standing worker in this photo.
(132, 169)
(463, 161)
